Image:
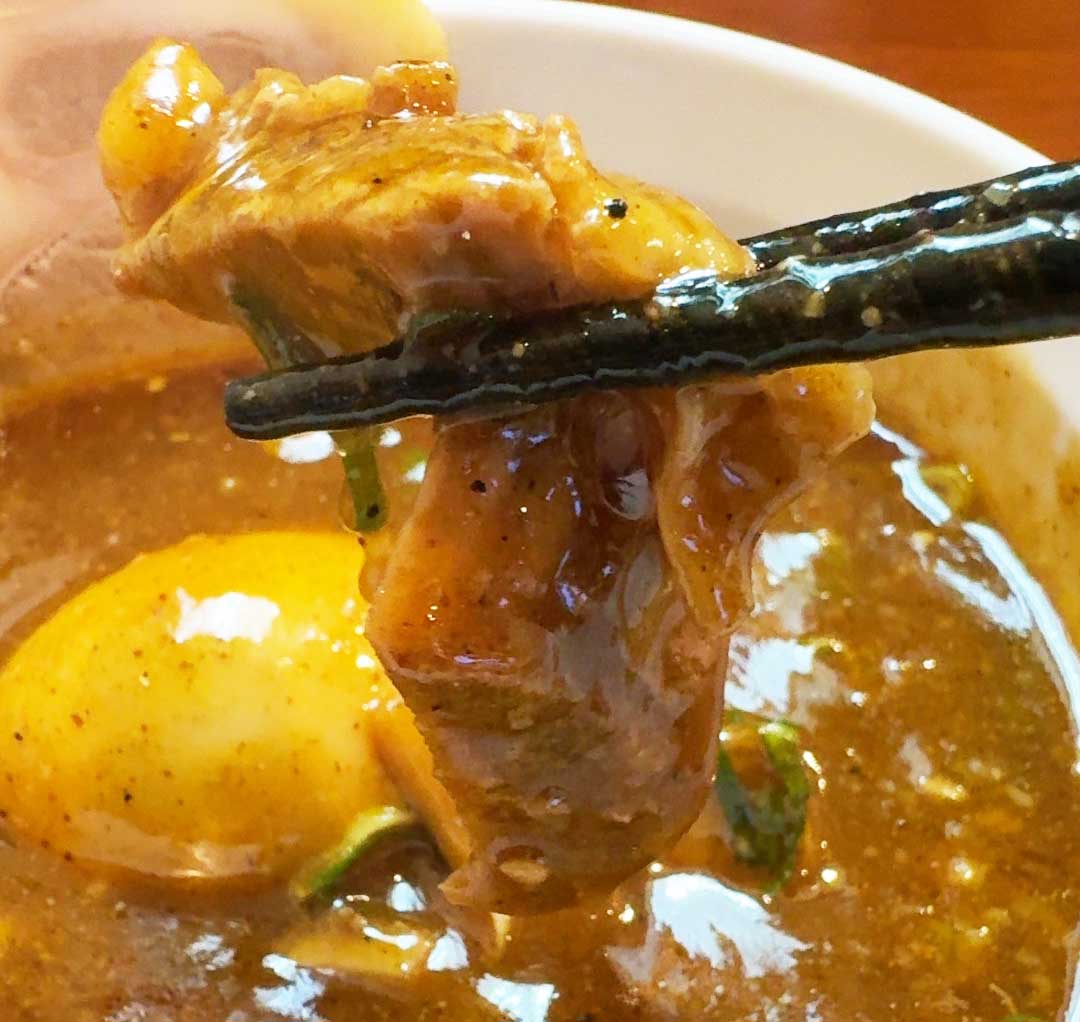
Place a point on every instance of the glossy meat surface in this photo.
(554, 602)
(556, 612)
(341, 207)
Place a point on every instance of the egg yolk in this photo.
(203, 712)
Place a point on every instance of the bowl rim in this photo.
(800, 66)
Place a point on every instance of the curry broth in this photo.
(933, 880)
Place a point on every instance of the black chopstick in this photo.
(968, 286)
(1054, 186)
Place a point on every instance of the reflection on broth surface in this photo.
(924, 674)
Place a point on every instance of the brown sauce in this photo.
(903, 637)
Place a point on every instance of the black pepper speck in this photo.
(616, 208)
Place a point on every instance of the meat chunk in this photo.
(340, 208)
(556, 611)
(554, 602)
(530, 619)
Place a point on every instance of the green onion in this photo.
(279, 342)
(283, 346)
(766, 813)
(367, 831)
(357, 448)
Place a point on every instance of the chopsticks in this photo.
(981, 277)
(1055, 186)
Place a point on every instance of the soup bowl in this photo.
(757, 133)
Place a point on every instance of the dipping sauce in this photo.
(925, 674)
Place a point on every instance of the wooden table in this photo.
(1012, 63)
